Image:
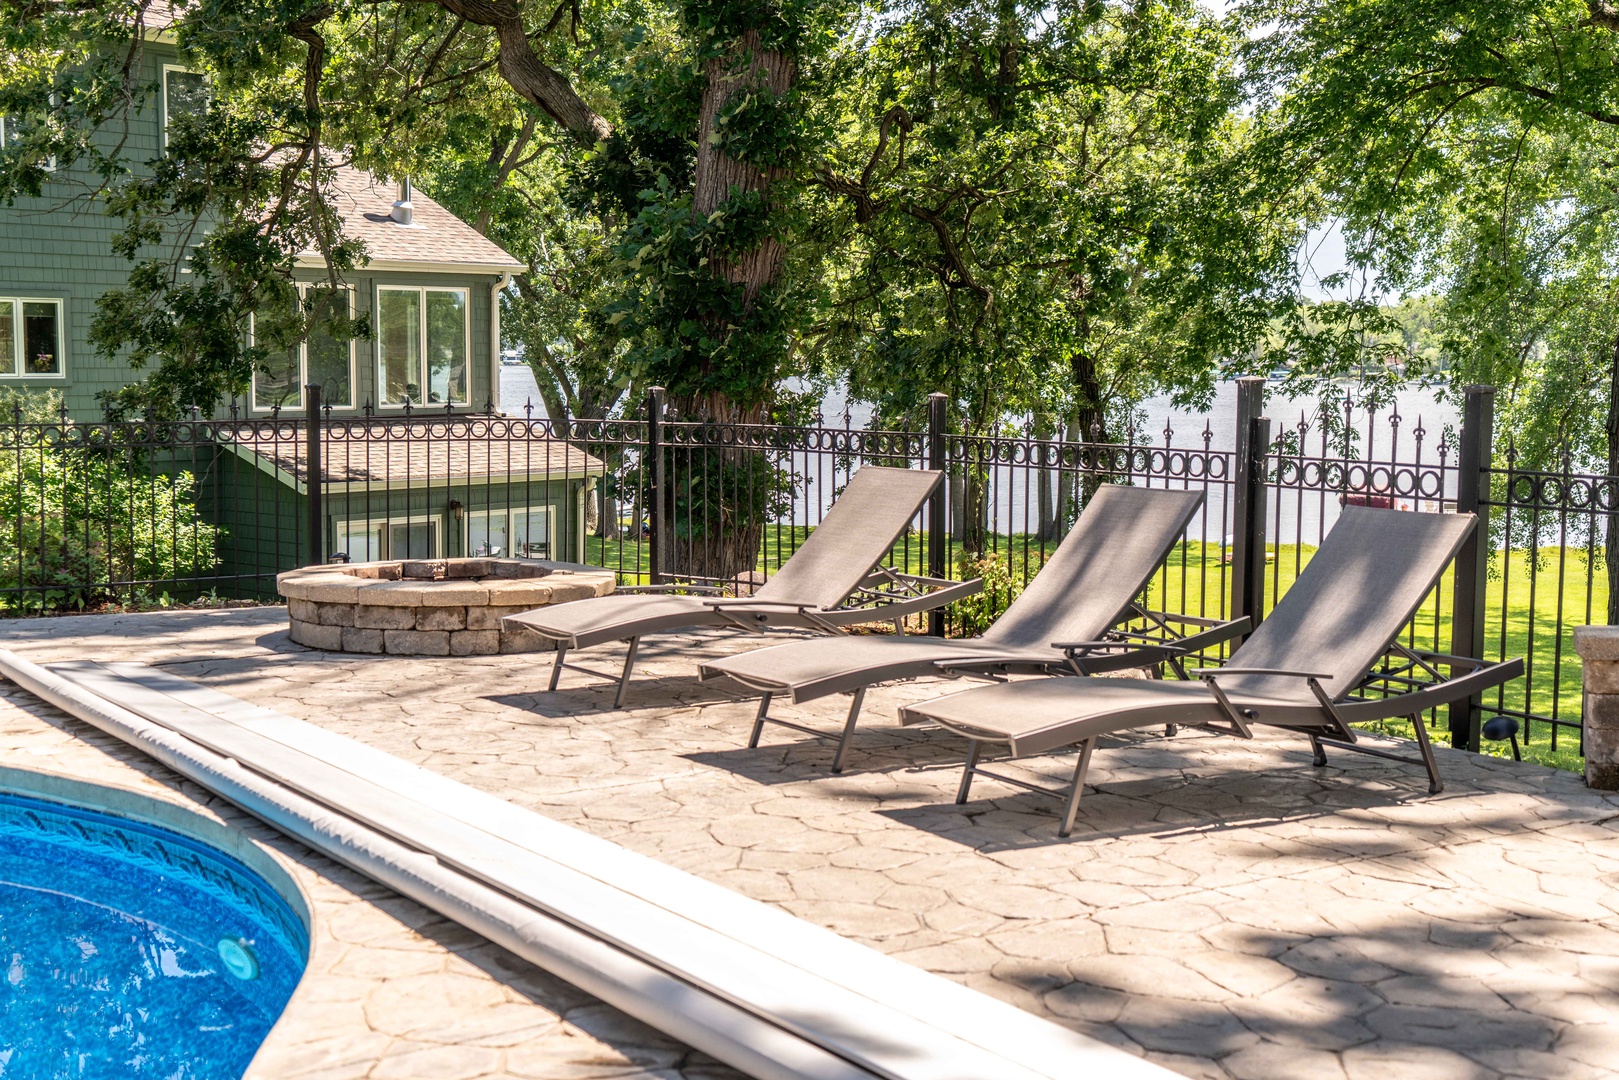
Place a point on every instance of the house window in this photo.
(521, 532)
(368, 541)
(319, 358)
(422, 346)
(185, 93)
(14, 129)
(30, 338)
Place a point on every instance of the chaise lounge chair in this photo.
(1309, 667)
(1063, 622)
(834, 579)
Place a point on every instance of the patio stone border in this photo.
(441, 607)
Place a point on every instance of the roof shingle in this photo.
(434, 236)
(392, 452)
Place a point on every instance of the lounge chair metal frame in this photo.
(1119, 650)
(1347, 611)
(1415, 696)
(886, 595)
(835, 578)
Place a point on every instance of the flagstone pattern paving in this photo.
(1223, 907)
(392, 990)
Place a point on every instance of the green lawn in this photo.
(1196, 579)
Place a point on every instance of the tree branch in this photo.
(534, 80)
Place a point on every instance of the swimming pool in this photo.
(131, 951)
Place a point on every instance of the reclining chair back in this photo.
(1351, 601)
(857, 532)
(1121, 537)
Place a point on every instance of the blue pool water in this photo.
(130, 951)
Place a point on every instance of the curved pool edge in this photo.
(391, 987)
(140, 807)
(201, 825)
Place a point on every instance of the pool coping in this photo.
(124, 802)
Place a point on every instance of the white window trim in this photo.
(347, 527)
(17, 338)
(385, 525)
(548, 509)
(382, 360)
(50, 162)
(164, 90)
(435, 536)
(303, 364)
(466, 531)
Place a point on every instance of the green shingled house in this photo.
(432, 286)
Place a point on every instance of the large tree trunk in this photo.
(607, 526)
(1046, 487)
(1066, 510)
(1089, 414)
(720, 495)
(744, 68)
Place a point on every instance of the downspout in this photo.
(494, 338)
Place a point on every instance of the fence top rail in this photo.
(1524, 489)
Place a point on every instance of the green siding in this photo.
(59, 246)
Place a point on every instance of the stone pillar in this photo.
(1598, 647)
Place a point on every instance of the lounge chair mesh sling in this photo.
(834, 579)
(1326, 657)
(1065, 621)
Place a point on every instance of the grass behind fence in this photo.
(1196, 579)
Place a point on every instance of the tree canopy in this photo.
(1052, 209)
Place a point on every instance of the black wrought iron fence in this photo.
(96, 513)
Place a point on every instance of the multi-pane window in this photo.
(185, 93)
(319, 358)
(522, 532)
(422, 346)
(368, 541)
(30, 338)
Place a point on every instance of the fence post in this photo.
(654, 502)
(938, 541)
(314, 475)
(1248, 501)
(1477, 453)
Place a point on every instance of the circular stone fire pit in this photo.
(429, 607)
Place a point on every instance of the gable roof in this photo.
(434, 240)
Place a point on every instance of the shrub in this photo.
(86, 521)
(972, 615)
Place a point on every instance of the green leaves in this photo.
(1469, 150)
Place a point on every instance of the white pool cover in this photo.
(754, 986)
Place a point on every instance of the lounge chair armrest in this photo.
(1215, 672)
(1075, 646)
(699, 590)
(913, 579)
(1190, 620)
(755, 602)
(1215, 634)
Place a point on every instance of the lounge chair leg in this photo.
(1436, 784)
(759, 722)
(624, 680)
(974, 747)
(1320, 758)
(556, 668)
(1080, 769)
(848, 729)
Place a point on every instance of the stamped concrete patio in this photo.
(1222, 907)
